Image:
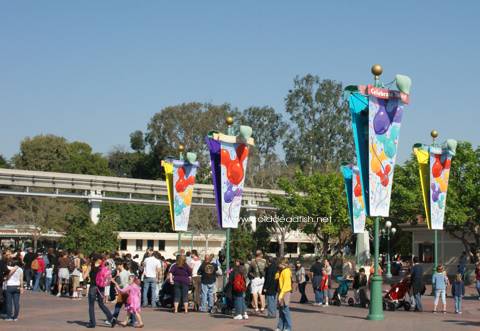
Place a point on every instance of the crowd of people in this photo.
(189, 282)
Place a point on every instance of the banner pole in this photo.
(181, 148)
(229, 121)
(376, 303)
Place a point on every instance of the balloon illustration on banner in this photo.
(180, 177)
(356, 204)
(434, 167)
(229, 156)
(376, 118)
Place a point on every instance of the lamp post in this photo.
(229, 122)
(388, 229)
(375, 309)
(434, 135)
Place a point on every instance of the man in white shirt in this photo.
(152, 270)
(195, 264)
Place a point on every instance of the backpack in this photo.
(239, 284)
(35, 265)
(104, 276)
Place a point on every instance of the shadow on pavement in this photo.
(259, 328)
(81, 323)
(464, 323)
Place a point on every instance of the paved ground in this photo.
(41, 312)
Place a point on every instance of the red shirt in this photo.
(41, 264)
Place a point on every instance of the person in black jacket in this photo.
(270, 287)
(418, 286)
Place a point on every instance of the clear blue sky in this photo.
(97, 70)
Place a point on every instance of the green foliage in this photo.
(133, 217)
(87, 237)
(462, 214)
(137, 141)
(187, 124)
(320, 135)
(53, 153)
(318, 197)
(241, 242)
(3, 162)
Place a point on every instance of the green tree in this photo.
(3, 162)
(242, 243)
(53, 153)
(133, 217)
(87, 237)
(187, 124)
(320, 200)
(319, 136)
(462, 213)
(137, 141)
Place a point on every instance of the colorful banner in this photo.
(180, 177)
(385, 117)
(376, 118)
(356, 205)
(422, 154)
(228, 156)
(440, 161)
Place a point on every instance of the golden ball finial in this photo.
(181, 148)
(434, 134)
(377, 70)
(229, 120)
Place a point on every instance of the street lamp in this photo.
(388, 229)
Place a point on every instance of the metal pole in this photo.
(389, 265)
(435, 252)
(179, 242)
(376, 304)
(227, 246)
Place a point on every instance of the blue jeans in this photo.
(97, 294)
(458, 303)
(418, 301)
(28, 276)
(48, 285)
(318, 296)
(271, 305)
(284, 318)
(38, 275)
(478, 287)
(149, 282)
(13, 301)
(116, 312)
(239, 302)
(207, 296)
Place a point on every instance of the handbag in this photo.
(121, 297)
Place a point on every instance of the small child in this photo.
(324, 288)
(458, 291)
(48, 278)
(133, 301)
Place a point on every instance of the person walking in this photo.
(208, 277)
(121, 281)
(194, 263)
(97, 272)
(238, 284)
(133, 301)
(14, 287)
(63, 273)
(477, 277)
(418, 285)
(301, 278)
(316, 272)
(458, 291)
(38, 267)
(27, 264)
(152, 270)
(284, 292)
(440, 283)
(270, 287)
(257, 274)
(180, 276)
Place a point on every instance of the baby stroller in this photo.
(166, 296)
(396, 297)
(223, 305)
(341, 292)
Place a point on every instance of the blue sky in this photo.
(97, 70)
